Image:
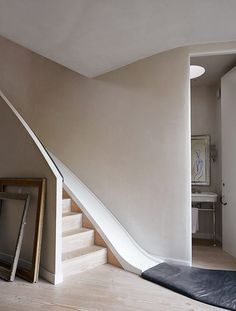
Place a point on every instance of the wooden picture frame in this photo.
(200, 155)
(8, 272)
(31, 275)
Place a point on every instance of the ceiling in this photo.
(216, 66)
(96, 36)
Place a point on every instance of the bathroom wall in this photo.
(205, 120)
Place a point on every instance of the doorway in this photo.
(209, 233)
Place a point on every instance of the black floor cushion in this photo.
(214, 287)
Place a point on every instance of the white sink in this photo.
(204, 197)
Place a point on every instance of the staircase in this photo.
(79, 252)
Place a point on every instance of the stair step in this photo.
(71, 221)
(76, 239)
(65, 195)
(83, 259)
(66, 205)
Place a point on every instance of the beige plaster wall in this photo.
(125, 134)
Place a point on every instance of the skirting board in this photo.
(176, 261)
(43, 273)
(50, 277)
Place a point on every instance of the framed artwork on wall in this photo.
(200, 154)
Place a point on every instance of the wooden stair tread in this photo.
(66, 205)
(66, 201)
(81, 252)
(75, 231)
(68, 214)
(71, 221)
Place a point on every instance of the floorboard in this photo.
(212, 258)
(107, 288)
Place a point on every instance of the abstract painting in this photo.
(200, 150)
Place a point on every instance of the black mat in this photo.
(214, 287)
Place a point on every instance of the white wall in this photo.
(20, 157)
(126, 135)
(228, 107)
(205, 120)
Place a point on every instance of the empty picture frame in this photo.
(7, 272)
(200, 151)
(39, 185)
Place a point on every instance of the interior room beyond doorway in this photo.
(207, 181)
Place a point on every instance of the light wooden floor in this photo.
(106, 288)
(212, 257)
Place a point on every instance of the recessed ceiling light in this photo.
(196, 71)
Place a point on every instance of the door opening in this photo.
(212, 147)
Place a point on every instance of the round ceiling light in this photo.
(196, 71)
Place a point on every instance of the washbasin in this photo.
(204, 197)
